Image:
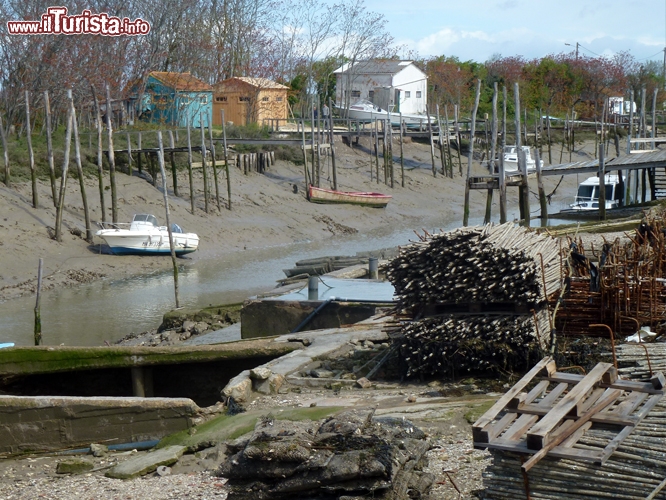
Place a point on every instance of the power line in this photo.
(656, 54)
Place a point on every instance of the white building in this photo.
(399, 86)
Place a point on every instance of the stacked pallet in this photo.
(474, 298)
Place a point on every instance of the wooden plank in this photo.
(575, 436)
(625, 385)
(480, 435)
(519, 427)
(557, 452)
(498, 427)
(550, 441)
(602, 418)
(523, 398)
(538, 437)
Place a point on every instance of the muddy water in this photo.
(110, 309)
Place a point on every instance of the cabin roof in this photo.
(181, 81)
(260, 83)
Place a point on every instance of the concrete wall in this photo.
(265, 318)
(35, 424)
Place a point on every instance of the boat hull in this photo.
(122, 242)
(364, 199)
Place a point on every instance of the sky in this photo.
(478, 29)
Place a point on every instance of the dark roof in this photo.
(181, 81)
(378, 66)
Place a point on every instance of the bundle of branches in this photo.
(474, 299)
(489, 264)
(453, 344)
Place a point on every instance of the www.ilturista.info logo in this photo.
(56, 22)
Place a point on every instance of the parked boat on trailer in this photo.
(144, 236)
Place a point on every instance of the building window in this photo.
(244, 99)
(356, 93)
(221, 98)
(418, 94)
(265, 99)
(203, 99)
(278, 99)
(408, 94)
(371, 94)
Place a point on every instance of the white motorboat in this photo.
(511, 159)
(587, 197)
(144, 236)
(365, 111)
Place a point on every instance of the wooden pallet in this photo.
(556, 412)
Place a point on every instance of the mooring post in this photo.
(38, 314)
(602, 183)
(543, 202)
(313, 288)
(373, 268)
(138, 382)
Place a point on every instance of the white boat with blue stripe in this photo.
(144, 236)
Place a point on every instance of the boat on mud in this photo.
(362, 198)
(144, 236)
(365, 111)
(511, 160)
(587, 197)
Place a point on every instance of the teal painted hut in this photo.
(170, 98)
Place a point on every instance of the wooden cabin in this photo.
(249, 100)
(171, 98)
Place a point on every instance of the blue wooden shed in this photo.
(171, 98)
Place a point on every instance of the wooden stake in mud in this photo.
(38, 313)
(456, 127)
(226, 159)
(441, 142)
(160, 158)
(212, 159)
(172, 159)
(315, 173)
(502, 177)
(138, 156)
(385, 126)
(432, 144)
(49, 147)
(3, 137)
(402, 154)
(377, 150)
(203, 163)
(189, 163)
(63, 175)
(543, 202)
(471, 152)
(448, 142)
(79, 171)
(112, 161)
(308, 181)
(129, 153)
(332, 141)
(491, 157)
(31, 153)
(524, 193)
(100, 163)
(602, 182)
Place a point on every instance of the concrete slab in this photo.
(144, 464)
(230, 333)
(41, 424)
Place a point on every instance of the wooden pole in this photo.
(172, 158)
(502, 177)
(491, 156)
(402, 155)
(38, 314)
(138, 156)
(432, 144)
(49, 147)
(471, 152)
(602, 183)
(63, 177)
(31, 153)
(308, 182)
(385, 125)
(189, 163)
(315, 174)
(332, 140)
(448, 142)
(441, 141)
(226, 159)
(543, 201)
(79, 171)
(456, 128)
(550, 156)
(100, 162)
(203, 163)
(129, 152)
(3, 137)
(377, 149)
(212, 156)
(112, 161)
(522, 164)
(160, 158)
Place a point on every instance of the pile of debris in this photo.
(474, 298)
(348, 456)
